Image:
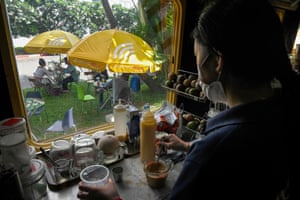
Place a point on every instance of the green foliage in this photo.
(31, 17)
(127, 19)
(22, 18)
(19, 50)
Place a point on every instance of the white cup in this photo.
(95, 175)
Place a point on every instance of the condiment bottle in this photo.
(147, 135)
(120, 124)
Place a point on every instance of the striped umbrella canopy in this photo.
(53, 42)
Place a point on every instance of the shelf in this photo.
(187, 72)
(195, 98)
(190, 135)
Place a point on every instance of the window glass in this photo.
(45, 101)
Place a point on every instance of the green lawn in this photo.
(88, 117)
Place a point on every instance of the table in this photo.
(33, 105)
(133, 186)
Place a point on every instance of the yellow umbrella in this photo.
(55, 41)
(119, 50)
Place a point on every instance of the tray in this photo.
(57, 182)
(54, 179)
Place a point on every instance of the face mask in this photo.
(213, 91)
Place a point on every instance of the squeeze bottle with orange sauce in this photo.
(147, 135)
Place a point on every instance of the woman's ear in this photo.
(220, 63)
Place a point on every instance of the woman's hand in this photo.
(106, 192)
(172, 141)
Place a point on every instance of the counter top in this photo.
(133, 186)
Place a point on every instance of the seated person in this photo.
(41, 71)
(101, 77)
(74, 76)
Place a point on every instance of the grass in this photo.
(88, 117)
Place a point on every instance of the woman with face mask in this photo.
(250, 151)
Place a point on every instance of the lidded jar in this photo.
(15, 152)
(85, 152)
(120, 123)
(61, 149)
(147, 135)
(35, 184)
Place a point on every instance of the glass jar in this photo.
(15, 152)
(35, 184)
(76, 137)
(12, 125)
(61, 149)
(85, 152)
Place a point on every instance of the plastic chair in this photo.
(83, 97)
(38, 111)
(63, 125)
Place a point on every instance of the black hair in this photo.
(249, 35)
(42, 62)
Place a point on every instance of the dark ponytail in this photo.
(42, 62)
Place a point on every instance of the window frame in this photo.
(13, 82)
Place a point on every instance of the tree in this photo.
(22, 18)
(109, 14)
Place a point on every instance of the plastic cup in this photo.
(95, 175)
